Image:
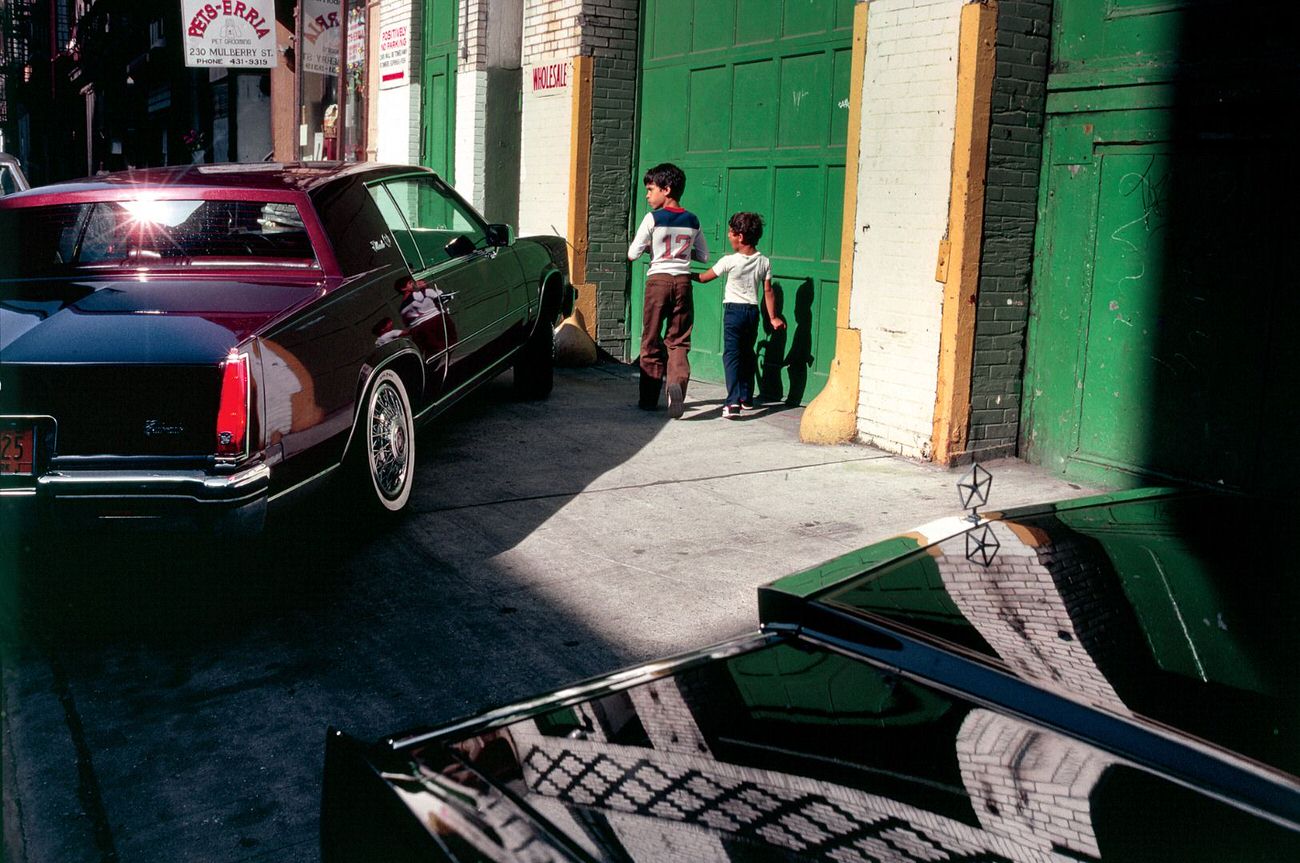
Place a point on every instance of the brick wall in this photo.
(609, 33)
(908, 116)
(544, 155)
(398, 139)
(1006, 265)
(471, 120)
(552, 33)
(472, 21)
(551, 29)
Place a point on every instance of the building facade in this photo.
(997, 227)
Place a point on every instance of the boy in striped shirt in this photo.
(672, 237)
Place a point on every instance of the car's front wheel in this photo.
(535, 364)
(386, 436)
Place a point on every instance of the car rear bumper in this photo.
(162, 499)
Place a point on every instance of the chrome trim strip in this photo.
(257, 473)
(482, 377)
(57, 480)
(18, 492)
(588, 690)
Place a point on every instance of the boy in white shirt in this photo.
(745, 270)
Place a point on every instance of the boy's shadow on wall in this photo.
(788, 350)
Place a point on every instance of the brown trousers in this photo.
(666, 329)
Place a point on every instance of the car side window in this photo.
(397, 226)
(435, 218)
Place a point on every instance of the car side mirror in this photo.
(459, 246)
(500, 235)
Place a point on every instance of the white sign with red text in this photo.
(322, 36)
(236, 34)
(548, 78)
(394, 56)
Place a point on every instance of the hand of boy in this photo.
(778, 324)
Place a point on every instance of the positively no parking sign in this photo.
(233, 33)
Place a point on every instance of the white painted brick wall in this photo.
(471, 148)
(399, 108)
(472, 19)
(551, 29)
(544, 158)
(908, 116)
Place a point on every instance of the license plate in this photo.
(17, 451)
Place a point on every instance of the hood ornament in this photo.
(974, 490)
(981, 545)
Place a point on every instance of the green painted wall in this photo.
(750, 98)
(1157, 343)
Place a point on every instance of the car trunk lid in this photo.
(129, 367)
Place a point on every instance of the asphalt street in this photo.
(167, 699)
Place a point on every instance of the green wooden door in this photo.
(750, 99)
(1156, 348)
(438, 114)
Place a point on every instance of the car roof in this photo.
(265, 176)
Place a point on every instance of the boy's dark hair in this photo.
(667, 176)
(748, 225)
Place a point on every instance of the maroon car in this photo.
(191, 344)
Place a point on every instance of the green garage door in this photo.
(1159, 343)
(750, 98)
(438, 114)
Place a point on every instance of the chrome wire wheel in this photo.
(390, 441)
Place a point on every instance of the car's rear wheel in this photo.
(386, 438)
(535, 364)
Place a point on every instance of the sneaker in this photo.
(676, 401)
(746, 406)
(730, 412)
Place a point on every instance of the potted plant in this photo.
(197, 144)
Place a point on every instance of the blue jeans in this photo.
(739, 330)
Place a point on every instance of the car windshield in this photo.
(147, 233)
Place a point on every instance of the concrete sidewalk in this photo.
(670, 525)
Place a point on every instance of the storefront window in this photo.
(328, 129)
(320, 43)
(354, 118)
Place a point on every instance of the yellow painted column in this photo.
(580, 194)
(959, 254)
(832, 417)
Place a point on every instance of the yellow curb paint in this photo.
(960, 254)
(580, 189)
(832, 417)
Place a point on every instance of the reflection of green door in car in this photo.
(1152, 349)
(750, 99)
(438, 116)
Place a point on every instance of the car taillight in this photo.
(232, 412)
